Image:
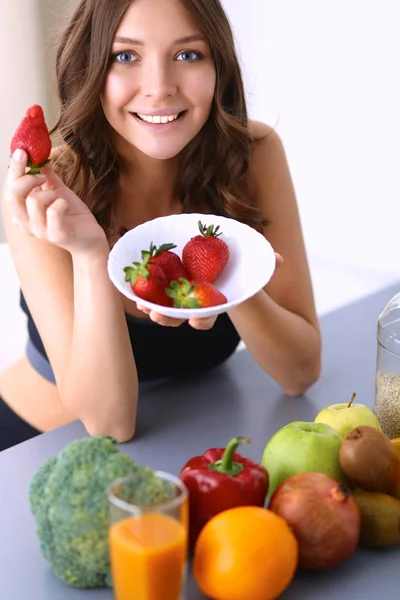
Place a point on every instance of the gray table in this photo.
(181, 419)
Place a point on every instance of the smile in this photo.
(158, 119)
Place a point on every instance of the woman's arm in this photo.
(279, 325)
(60, 254)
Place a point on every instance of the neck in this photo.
(147, 185)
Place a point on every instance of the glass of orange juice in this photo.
(148, 544)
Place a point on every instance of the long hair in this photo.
(214, 166)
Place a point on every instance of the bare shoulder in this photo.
(260, 131)
(272, 190)
(267, 159)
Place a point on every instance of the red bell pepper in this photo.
(221, 479)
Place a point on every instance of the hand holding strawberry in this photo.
(32, 136)
(43, 207)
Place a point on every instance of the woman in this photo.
(120, 70)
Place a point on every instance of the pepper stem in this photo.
(226, 464)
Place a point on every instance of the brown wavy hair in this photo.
(214, 166)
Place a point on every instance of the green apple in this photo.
(302, 446)
(346, 416)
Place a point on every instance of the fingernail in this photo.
(18, 155)
(40, 176)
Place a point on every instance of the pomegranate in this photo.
(323, 516)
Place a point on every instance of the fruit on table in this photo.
(395, 492)
(68, 500)
(220, 479)
(345, 416)
(205, 255)
(322, 515)
(302, 446)
(396, 443)
(32, 136)
(184, 294)
(148, 281)
(369, 459)
(380, 519)
(245, 553)
(169, 261)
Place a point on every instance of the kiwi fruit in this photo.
(380, 519)
(369, 460)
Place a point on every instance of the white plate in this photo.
(250, 266)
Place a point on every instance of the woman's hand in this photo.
(204, 323)
(43, 207)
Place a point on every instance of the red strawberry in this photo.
(32, 136)
(194, 295)
(148, 281)
(169, 261)
(205, 255)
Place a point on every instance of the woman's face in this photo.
(160, 86)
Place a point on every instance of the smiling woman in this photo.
(153, 122)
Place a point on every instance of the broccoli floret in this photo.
(69, 502)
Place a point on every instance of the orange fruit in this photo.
(396, 443)
(245, 553)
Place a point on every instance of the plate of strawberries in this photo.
(191, 264)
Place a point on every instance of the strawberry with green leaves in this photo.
(205, 256)
(148, 281)
(194, 295)
(168, 260)
(32, 136)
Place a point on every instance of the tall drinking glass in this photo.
(148, 544)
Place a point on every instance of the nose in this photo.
(158, 80)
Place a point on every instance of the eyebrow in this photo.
(184, 40)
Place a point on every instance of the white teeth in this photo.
(158, 118)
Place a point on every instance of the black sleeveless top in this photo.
(167, 351)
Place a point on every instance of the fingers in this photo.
(142, 308)
(279, 260)
(35, 222)
(202, 324)
(19, 186)
(57, 229)
(30, 213)
(19, 162)
(52, 181)
(18, 189)
(165, 321)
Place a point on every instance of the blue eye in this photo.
(189, 56)
(124, 57)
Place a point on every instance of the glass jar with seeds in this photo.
(387, 383)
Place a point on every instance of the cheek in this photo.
(116, 92)
(202, 90)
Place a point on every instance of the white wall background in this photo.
(325, 72)
(329, 73)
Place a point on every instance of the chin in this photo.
(162, 153)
